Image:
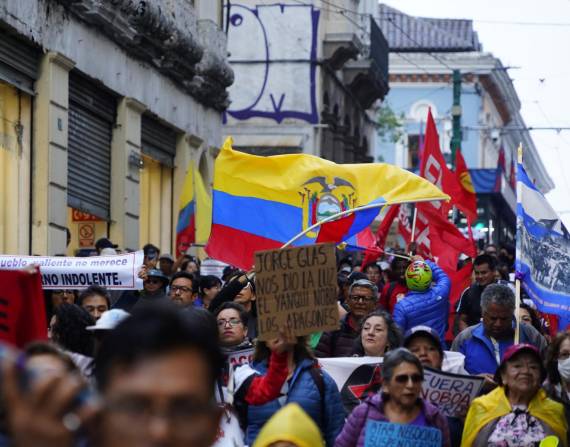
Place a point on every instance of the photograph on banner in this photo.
(118, 272)
(402, 435)
(451, 393)
(296, 288)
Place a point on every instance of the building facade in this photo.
(307, 75)
(104, 106)
(423, 54)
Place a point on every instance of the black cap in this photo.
(104, 243)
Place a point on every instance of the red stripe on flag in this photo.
(237, 247)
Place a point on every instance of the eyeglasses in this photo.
(405, 378)
(181, 289)
(233, 322)
(362, 299)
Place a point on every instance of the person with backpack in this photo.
(306, 384)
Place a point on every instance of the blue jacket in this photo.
(480, 355)
(428, 308)
(304, 391)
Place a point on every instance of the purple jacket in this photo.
(352, 434)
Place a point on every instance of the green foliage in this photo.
(390, 125)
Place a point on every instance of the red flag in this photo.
(501, 168)
(513, 175)
(375, 249)
(460, 280)
(467, 197)
(22, 308)
(434, 168)
(384, 227)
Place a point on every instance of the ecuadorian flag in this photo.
(195, 215)
(261, 203)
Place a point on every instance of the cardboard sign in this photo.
(388, 434)
(296, 287)
(240, 357)
(118, 272)
(451, 393)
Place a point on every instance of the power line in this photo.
(413, 63)
(506, 22)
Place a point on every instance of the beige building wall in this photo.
(49, 194)
(15, 149)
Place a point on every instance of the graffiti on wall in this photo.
(273, 52)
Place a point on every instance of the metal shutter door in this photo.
(91, 118)
(19, 61)
(158, 141)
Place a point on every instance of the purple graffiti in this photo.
(273, 51)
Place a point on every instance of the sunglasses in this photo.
(153, 281)
(405, 378)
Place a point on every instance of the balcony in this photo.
(339, 48)
(367, 78)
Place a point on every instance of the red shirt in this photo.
(397, 292)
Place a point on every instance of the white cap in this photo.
(109, 320)
(108, 251)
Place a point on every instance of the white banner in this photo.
(359, 377)
(118, 272)
(212, 267)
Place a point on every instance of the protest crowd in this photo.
(179, 362)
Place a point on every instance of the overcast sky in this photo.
(535, 36)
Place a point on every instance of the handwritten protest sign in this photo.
(118, 272)
(240, 357)
(296, 287)
(386, 433)
(451, 393)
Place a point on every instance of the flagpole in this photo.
(518, 252)
(346, 212)
(413, 238)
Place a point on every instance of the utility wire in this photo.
(506, 22)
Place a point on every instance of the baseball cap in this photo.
(167, 256)
(515, 350)
(108, 251)
(424, 331)
(104, 243)
(155, 273)
(109, 320)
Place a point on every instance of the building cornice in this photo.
(152, 35)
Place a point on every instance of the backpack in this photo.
(241, 406)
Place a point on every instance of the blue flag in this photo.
(543, 250)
